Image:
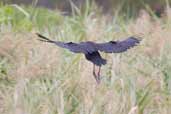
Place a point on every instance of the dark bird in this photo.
(91, 49)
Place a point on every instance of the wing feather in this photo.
(118, 46)
(74, 47)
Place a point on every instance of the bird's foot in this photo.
(97, 77)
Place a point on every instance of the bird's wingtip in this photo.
(138, 36)
(137, 39)
(38, 34)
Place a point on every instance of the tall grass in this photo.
(38, 78)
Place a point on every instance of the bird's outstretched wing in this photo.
(117, 46)
(74, 47)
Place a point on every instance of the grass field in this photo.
(38, 78)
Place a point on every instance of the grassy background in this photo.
(37, 78)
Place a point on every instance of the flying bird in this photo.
(91, 49)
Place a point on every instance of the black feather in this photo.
(118, 46)
(90, 49)
(95, 58)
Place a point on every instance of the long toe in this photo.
(96, 78)
(99, 78)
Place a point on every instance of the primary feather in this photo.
(118, 46)
(74, 47)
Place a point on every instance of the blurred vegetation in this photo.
(127, 7)
(37, 78)
(27, 17)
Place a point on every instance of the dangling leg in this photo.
(98, 74)
(94, 73)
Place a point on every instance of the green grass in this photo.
(37, 78)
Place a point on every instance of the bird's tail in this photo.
(44, 39)
(100, 61)
(103, 61)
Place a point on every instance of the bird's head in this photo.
(113, 42)
(70, 43)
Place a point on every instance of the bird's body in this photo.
(95, 58)
(91, 49)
